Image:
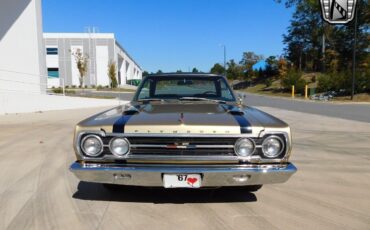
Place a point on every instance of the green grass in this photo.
(273, 90)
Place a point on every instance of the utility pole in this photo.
(323, 47)
(225, 59)
(354, 58)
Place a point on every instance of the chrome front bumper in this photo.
(212, 175)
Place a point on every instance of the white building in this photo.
(22, 57)
(101, 48)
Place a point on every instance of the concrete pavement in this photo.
(330, 190)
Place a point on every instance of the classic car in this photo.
(183, 131)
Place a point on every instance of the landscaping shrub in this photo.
(293, 77)
(324, 83)
(57, 90)
(313, 78)
(335, 81)
(268, 82)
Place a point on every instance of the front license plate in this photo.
(182, 180)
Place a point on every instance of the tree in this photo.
(248, 60)
(331, 61)
(145, 73)
(293, 77)
(179, 71)
(159, 71)
(314, 45)
(304, 37)
(234, 71)
(195, 70)
(112, 73)
(271, 67)
(82, 61)
(217, 69)
(282, 67)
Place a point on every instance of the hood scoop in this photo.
(236, 112)
(233, 110)
(131, 111)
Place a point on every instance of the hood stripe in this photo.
(245, 126)
(119, 124)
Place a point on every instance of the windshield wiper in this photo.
(201, 99)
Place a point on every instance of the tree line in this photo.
(313, 47)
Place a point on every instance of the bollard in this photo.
(305, 91)
(292, 91)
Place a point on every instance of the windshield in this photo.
(184, 88)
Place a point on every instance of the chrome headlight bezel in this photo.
(112, 149)
(239, 142)
(282, 146)
(86, 152)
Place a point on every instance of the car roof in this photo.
(184, 75)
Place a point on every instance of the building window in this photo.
(53, 72)
(52, 51)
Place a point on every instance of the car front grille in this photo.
(182, 146)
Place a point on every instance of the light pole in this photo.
(224, 58)
(354, 57)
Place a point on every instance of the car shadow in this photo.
(96, 191)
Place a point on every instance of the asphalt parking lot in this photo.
(345, 110)
(330, 190)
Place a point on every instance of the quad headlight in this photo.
(244, 147)
(119, 146)
(272, 146)
(92, 145)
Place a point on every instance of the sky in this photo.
(175, 35)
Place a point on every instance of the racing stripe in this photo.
(119, 125)
(245, 126)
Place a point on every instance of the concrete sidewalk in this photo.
(26, 103)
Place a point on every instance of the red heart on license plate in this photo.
(192, 180)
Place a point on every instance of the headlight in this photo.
(119, 146)
(272, 146)
(92, 145)
(244, 147)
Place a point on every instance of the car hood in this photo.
(182, 118)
